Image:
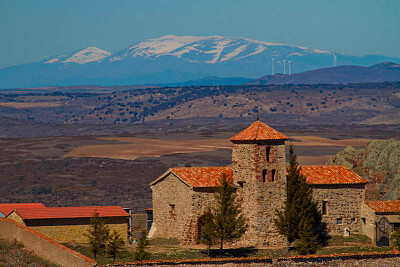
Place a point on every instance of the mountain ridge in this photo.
(173, 59)
(382, 72)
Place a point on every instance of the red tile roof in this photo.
(330, 174)
(384, 206)
(202, 176)
(259, 131)
(7, 208)
(71, 212)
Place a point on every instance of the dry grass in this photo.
(139, 147)
(144, 147)
(321, 141)
(23, 105)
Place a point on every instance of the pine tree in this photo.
(300, 218)
(98, 235)
(207, 229)
(115, 246)
(140, 252)
(230, 223)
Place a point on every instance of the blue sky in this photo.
(33, 30)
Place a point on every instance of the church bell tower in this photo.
(259, 170)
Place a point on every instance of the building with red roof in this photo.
(379, 219)
(70, 224)
(182, 195)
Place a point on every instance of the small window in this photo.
(241, 183)
(363, 220)
(339, 221)
(324, 207)
(264, 176)
(273, 172)
(268, 151)
(353, 220)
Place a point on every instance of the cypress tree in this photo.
(230, 223)
(300, 217)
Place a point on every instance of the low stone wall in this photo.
(42, 245)
(370, 259)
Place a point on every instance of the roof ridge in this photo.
(258, 129)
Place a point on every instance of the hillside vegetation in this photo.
(379, 163)
(369, 103)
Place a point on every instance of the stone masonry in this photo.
(177, 208)
(261, 193)
(343, 206)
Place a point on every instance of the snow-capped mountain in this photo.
(213, 49)
(83, 56)
(172, 59)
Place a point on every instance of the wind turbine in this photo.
(284, 66)
(289, 61)
(334, 60)
(273, 66)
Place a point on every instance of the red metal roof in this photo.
(71, 212)
(7, 208)
(259, 131)
(330, 174)
(384, 206)
(202, 176)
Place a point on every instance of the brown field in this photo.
(23, 105)
(310, 149)
(139, 147)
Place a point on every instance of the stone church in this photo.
(182, 195)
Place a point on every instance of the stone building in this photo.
(182, 195)
(379, 219)
(69, 224)
(340, 193)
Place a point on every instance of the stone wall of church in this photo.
(261, 191)
(177, 208)
(343, 203)
(172, 207)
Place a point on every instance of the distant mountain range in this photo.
(173, 59)
(386, 71)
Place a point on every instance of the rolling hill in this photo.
(386, 71)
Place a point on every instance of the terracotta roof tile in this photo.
(384, 206)
(202, 176)
(71, 212)
(330, 174)
(259, 131)
(7, 208)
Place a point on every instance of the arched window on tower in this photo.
(273, 172)
(268, 151)
(264, 176)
